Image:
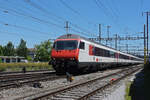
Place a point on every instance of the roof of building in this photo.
(11, 57)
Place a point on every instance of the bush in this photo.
(0, 60)
(29, 58)
(29, 66)
(2, 68)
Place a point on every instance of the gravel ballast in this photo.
(28, 90)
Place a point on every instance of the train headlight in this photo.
(71, 58)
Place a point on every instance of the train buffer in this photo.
(69, 77)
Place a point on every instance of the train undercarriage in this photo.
(73, 66)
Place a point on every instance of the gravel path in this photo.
(27, 90)
(116, 92)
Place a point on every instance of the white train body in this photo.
(86, 55)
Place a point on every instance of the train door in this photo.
(83, 51)
(117, 56)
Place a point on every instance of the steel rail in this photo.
(85, 97)
(28, 80)
(74, 86)
(17, 72)
(18, 84)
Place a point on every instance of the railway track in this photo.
(82, 90)
(25, 75)
(13, 81)
(21, 72)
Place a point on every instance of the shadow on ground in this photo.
(140, 88)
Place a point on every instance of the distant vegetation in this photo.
(19, 66)
(42, 51)
(9, 49)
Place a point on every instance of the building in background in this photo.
(11, 59)
(31, 52)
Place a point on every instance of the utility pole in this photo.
(144, 46)
(116, 41)
(67, 27)
(127, 48)
(99, 33)
(108, 33)
(147, 13)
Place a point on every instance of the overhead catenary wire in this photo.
(11, 33)
(31, 17)
(112, 9)
(44, 10)
(60, 18)
(84, 30)
(26, 8)
(66, 5)
(25, 28)
(115, 6)
(20, 35)
(77, 13)
(109, 14)
(141, 4)
(102, 7)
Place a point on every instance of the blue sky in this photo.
(39, 20)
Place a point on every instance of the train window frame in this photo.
(54, 45)
(65, 45)
(82, 45)
(112, 54)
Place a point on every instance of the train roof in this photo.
(74, 36)
(70, 36)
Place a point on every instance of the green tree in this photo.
(1, 51)
(9, 50)
(0, 60)
(29, 58)
(43, 51)
(22, 49)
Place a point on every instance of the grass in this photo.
(127, 96)
(19, 66)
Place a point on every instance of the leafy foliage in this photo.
(22, 49)
(29, 66)
(43, 51)
(1, 50)
(29, 58)
(0, 60)
(9, 50)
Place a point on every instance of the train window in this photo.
(82, 45)
(97, 50)
(54, 45)
(112, 54)
(65, 45)
(107, 53)
(101, 52)
(93, 50)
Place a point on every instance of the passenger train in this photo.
(75, 54)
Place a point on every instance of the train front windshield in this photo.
(66, 45)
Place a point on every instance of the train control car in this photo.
(74, 54)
